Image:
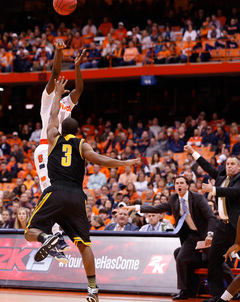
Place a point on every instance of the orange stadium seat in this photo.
(68, 54)
(8, 186)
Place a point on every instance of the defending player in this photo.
(64, 201)
(66, 106)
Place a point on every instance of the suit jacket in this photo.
(201, 213)
(129, 227)
(232, 192)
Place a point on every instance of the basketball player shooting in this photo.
(64, 201)
(66, 106)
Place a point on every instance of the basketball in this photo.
(64, 7)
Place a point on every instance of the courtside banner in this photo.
(123, 263)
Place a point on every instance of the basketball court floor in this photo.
(22, 295)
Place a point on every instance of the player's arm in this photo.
(53, 123)
(105, 161)
(57, 65)
(76, 93)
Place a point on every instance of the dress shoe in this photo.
(212, 299)
(236, 297)
(182, 295)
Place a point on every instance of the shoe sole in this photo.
(66, 249)
(44, 250)
(62, 260)
(91, 299)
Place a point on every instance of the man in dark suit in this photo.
(195, 221)
(227, 192)
(122, 223)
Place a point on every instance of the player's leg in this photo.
(41, 159)
(232, 290)
(89, 266)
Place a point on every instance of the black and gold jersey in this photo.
(65, 161)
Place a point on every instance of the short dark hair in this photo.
(181, 176)
(103, 211)
(69, 126)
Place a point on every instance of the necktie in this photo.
(119, 228)
(224, 198)
(181, 220)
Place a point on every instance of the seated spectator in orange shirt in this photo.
(233, 134)
(77, 41)
(59, 37)
(130, 55)
(120, 129)
(222, 19)
(97, 223)
(12, 166)
(15, 139)
(88, 128)
(30, 170)
(103, 213)
(121, 32)
(215, 121)
(91, 202)
(162, 55)
(174, 55)
(118, 54)
(29, 181)
(110, 144)
(49, 35)
(131, 192)
(6, 60)
(36, 189)
(204, 30)
(195, 140)
(147, 196)
(104, 27)
(127, 176)
(187, 50)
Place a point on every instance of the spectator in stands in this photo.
(174, 54)
(118, 53)
(222, 19)
(213, 33)
(30, 171)
(107, 53)
(92, 57)
(17, 152)
(35, 135)
(110, 144)
(149, 25)
(130, 55)
(144, 142)
(5, 175)
(6, 60)
(127, 176)
(97, 223)
(162, 55)
(155, 128)
(162, 141)
(176, 144)
(29, 181)
(168, 35)
(6, 216)
(103, 213)
(24, 200)
(216, 22)
(22, 218)
(88, 128)
(14, 206)
(155, 224)
(121, 223)
(190, 33)
(19, 182)
(232, 28)
(131, 191)
(155, 162)
(21, 62)
(145, 42)
(77, 41)
(233, 134)
(196, 139)
(187, 50)
(153, 148)
(236, 147)
(222, 161)
(137, 133)
(121, 32)
(222, 135)
(4, 146)
(96, 180)
(231, 43)
(12, 166)
(141, 184)
(104, 27)
(42, 58)
(89, 28)
(22, 189)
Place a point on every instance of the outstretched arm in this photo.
(57, 64)
(76, 93)
(53, 123)
(105, 161)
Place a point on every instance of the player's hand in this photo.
(208, 240)
(188, 149)
(234, 248)
(60, 86)
(135, 161)
(60, 44)
(79, 58)
(129, 208)
(207, 187)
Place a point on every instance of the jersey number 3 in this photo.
(67, 158)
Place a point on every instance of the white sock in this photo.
(56, 229)
(226, 296)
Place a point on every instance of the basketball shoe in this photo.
(92, 294)
(59, 256)
(62, 245)
(50, 242)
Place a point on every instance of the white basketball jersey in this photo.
(66, 106)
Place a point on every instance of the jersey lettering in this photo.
(67, 158)
(40, 158)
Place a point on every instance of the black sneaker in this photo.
(50, 242)
(62, 245)
(59, 256)
(92, 294)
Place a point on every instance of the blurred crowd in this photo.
(160, 148)
(184, 36)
